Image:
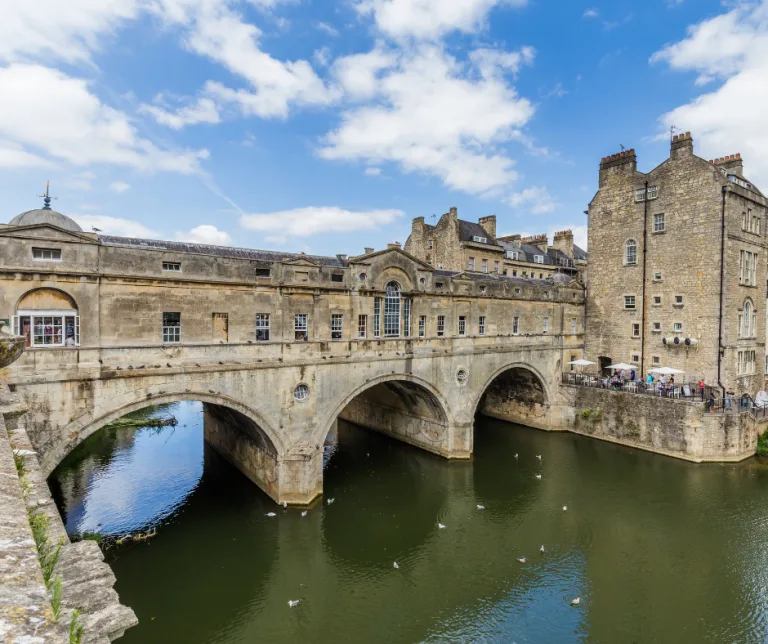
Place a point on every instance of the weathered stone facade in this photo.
(655, 245)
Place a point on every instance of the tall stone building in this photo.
(677, 268)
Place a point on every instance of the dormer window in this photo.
(538, 259)
(48, 254)
(172, 266)
(480, 240)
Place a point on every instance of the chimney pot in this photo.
(368, 251)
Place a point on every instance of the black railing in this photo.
(709, 396)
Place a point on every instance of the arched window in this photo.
(48, 318)
(630, 256)
(748, 320)
(392, 311)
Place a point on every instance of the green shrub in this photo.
(75, 629)
(762, 444)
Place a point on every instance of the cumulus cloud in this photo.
(52, 29)
(329, 29)
(115, 226)
(73, 125)
(430, 19)
(205, 234)
(119, 186)
(202, 110)
(535, 200)
(428, 113)
(591, 13)
(731, 48)
(373, 172)
(304, 222)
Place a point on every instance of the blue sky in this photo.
(327, 126)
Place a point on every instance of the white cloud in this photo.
(329, 29)
(215, 30)
(430, 19)
(205, 234)
(119, 186)
(13, 155)
(73, 125)
(322, 56)
(535, 200)
(733, 117)
(591, 13)
(304, 222)
(494, 63)
(373, 172)
(114, 226)
(53, 29)
(430, 113)
(203, 110)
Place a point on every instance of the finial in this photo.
(47, 197)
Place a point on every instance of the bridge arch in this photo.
(89, 423)
(401, 405)
(517, 392)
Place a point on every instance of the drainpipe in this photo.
(722, 273)
(645, 306)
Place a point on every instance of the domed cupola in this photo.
(45, 215)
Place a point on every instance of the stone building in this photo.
(677, 268)
(62, 287)
(458, 245)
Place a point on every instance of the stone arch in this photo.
(46, 297)
(517, 392)
(430, 411)
(398, 274)
(89, 423)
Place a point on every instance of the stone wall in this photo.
(663, 425)
(86, 580)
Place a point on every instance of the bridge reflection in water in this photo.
(637, 536)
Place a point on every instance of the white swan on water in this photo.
(538, 476)
(304, 513)
(441, 526)
(395, 565)
(293, 602)
(481, 507)
(576, 601)
(271, 514)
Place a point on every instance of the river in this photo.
(657, 550)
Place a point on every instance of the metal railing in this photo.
(709, 396)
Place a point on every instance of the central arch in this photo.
(516, 393)
(400, 405)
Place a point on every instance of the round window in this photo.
(301, 393)
(422, 281)
(363, 277)
(461, 375)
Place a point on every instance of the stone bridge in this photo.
(269, 408)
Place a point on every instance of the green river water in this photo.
(656, 549)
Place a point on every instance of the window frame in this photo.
(440, 326)
(42, 251)
(337, 326)
(515, 325)
(362, 326)
(630, 244)
(171, 267)
(301, 325)
(656, 220)
(262, 328)
(627, 306)
(462, 326)
(171, 333)
(422, 326)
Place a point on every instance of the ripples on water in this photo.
(658, 550)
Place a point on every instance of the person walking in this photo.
(701, 389)
(711, 402)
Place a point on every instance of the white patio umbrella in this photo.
(581, 362)
(621, 365)
(666, 371)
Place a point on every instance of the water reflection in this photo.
(658, 549)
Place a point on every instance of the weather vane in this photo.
(47, 197)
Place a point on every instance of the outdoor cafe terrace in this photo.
(688, 392)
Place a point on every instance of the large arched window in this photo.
(48, 318)
(392, 311)
(630, 253)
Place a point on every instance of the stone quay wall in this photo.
(666, 426)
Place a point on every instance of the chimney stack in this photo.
(368, 251)
(681, 146)
(732, 164)
(453, 213)
(489, 225)
(563, 241)
(540, 241)
(624, 162)
(394, 245)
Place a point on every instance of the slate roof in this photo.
(489, 276)
(579, 253)
(220, 251)
(468, 230)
